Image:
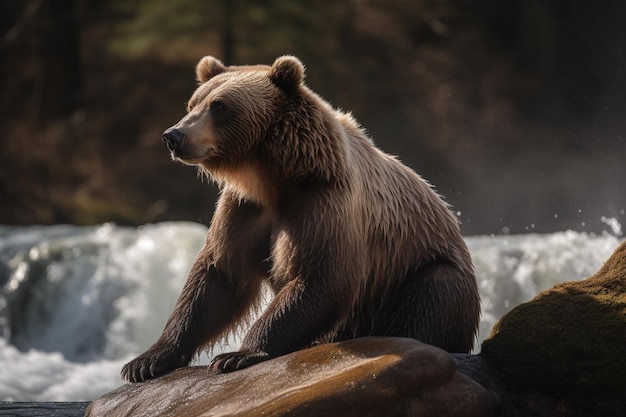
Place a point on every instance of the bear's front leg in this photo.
(207, 306)
(300, 314)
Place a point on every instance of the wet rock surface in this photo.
(361, 377)
(560, 354)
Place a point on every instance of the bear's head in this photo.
(231, 111)
(256, 117)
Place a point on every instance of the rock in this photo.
(361, 377)
(564, 350)
(43, 409)
(560, 354)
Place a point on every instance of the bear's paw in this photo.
(156, 361)
(233, 361)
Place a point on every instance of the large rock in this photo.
(561, 354)
(361, 377)
(565, 349)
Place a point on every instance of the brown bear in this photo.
(350, 241)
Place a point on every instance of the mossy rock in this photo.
(570, 339)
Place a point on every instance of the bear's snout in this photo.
(173, 138)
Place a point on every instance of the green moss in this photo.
(570, 338)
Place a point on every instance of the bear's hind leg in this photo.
(437, 304)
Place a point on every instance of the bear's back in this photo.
(406, 223)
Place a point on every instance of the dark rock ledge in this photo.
(47, 409)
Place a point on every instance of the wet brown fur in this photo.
(351, 241)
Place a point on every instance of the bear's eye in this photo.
(217, 107)
(220, 113)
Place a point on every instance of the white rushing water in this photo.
(76, 303)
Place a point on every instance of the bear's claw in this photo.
(152, 364)
(233, 361)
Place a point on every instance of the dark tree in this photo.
(227, 29)
(59, 81)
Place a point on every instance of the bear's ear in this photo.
(207, 68)
(287, 72)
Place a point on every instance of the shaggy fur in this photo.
(352, 242)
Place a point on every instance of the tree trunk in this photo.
(59, 87)
(228, 32)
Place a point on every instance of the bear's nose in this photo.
(173, 138)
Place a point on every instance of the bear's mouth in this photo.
(185, 159)
(176, 155)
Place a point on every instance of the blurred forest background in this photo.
(515, 110)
